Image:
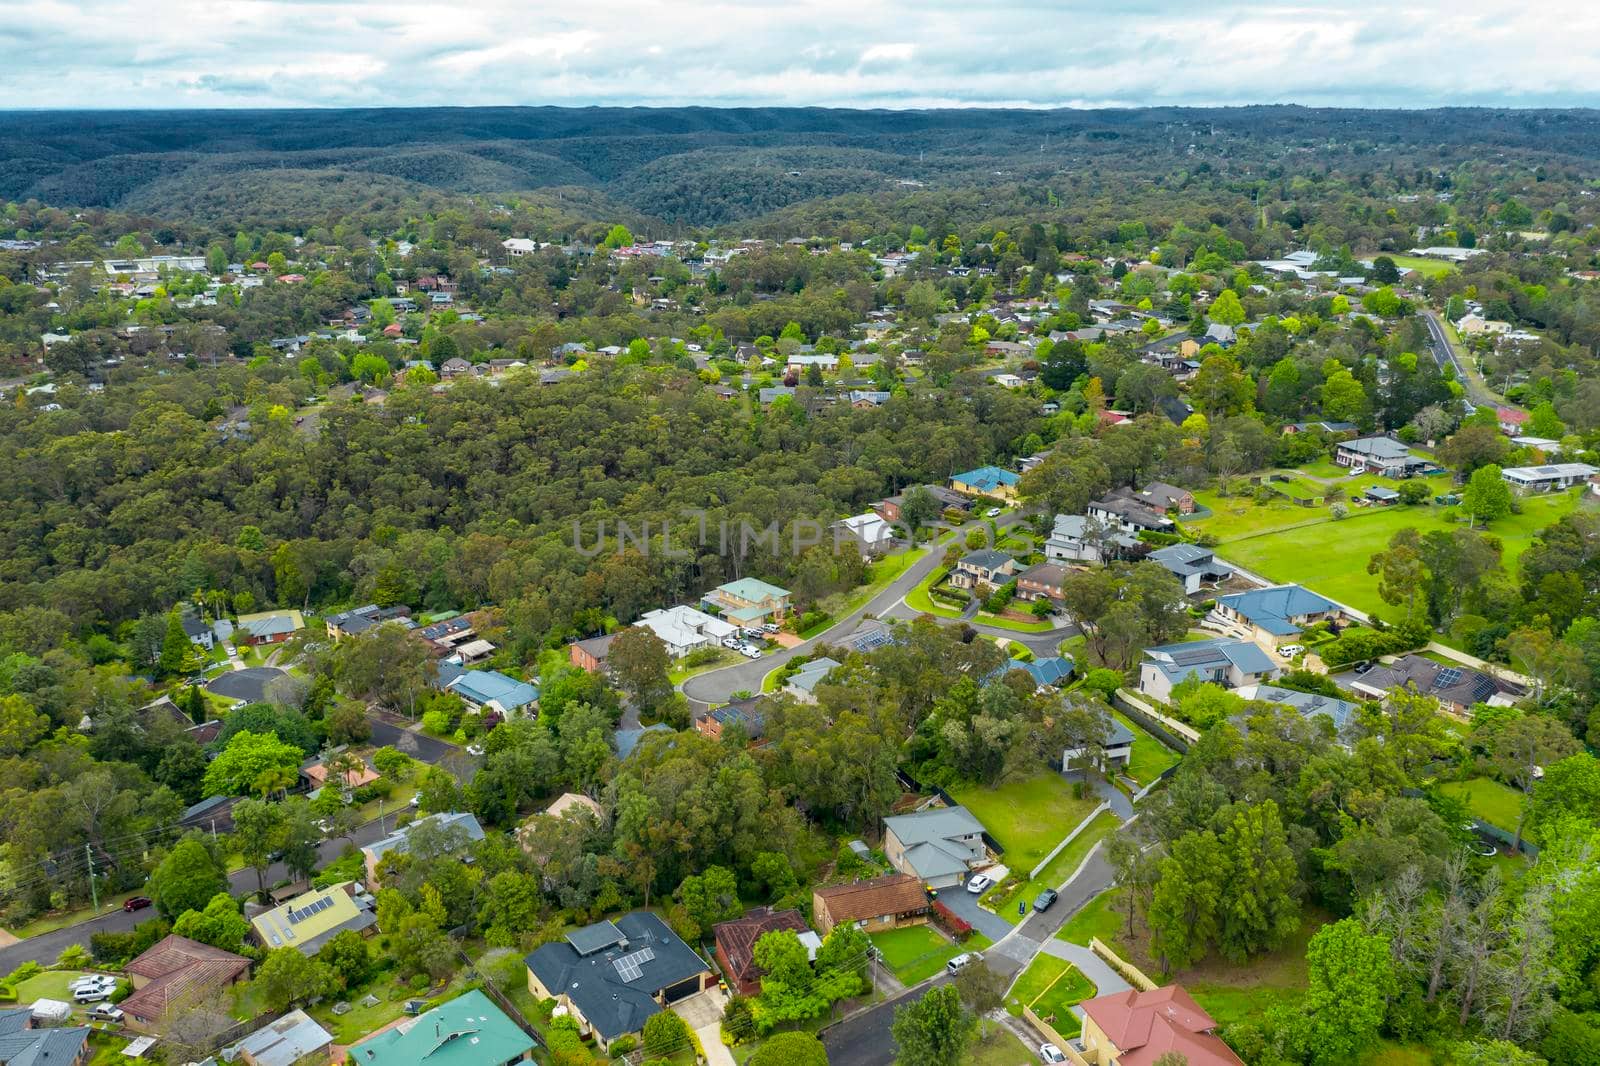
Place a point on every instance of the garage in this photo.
(682, 990)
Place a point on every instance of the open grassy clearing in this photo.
(1059, 868)
(1096, 919)
(1001, 1048)
(1428, 268)
(1150, 758)
(1027, 816)
(1499, 805)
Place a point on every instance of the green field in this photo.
(1497, 804)
(1428, 268)
(1028, 817)
(1000, 1048)
(1331, 557)
(1150, 758)
(918, 952)
(1095, 920)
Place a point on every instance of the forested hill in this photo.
(696, 166)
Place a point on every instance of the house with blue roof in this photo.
(1049, 672)
(1224, 661)
(987, 481)
(1276, 615)
(487, 690)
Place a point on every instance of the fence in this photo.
(1171, 732)
(1053, 1036)
(1134, 975)
(1068, 839)
(501, 1000)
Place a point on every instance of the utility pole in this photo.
(94, 893)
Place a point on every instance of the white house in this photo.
(869, 531)
(1527, 480)
(683, 629)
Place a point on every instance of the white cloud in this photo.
(895, 53)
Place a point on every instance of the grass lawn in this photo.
(725, 657)
(392, 995)
(1233, 517)
(51, 984)
(1325, 468)
(1028, 817)
(1499, 805)
(1232, 994)
(1331, 558)
(1095, 920)
(1070, 989)
(1060, 867)
(1428, 268)
(987, 619)
(919, 600)
(61, 919)
(1150, 757)
(1041, 973)
(1001, 1048)
(915, 952)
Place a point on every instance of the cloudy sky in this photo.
(854, 53)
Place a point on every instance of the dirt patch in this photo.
(788, 640)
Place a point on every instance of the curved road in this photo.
(717, 687)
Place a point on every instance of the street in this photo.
(1444, 351)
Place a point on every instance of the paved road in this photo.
(1444, 351)
(392, 733)
(718, 686)
(864, 1040)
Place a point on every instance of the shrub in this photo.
(665, 1033)
(701, 657)
(952, 923)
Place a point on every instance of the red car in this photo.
(137, 903)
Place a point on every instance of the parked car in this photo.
(94, 980)
(993, 512)
(416, 801)
(749, 651)
(1051, 1053)
(1291, 651)
(966, 958)
(474, 749)
(98, 994)
(105, 1012)
(731, 642)
(324, 826)
(1045, 900)
(137, 903)
(980, 884)
(770, 627)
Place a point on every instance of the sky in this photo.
(844, 53)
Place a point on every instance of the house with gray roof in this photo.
(461, 822)
(802, 685)
(985, 569)
(1378, 455)
(1194, 567)
(938, 846)
(614, 976)
(23, 1045)
(1457, 687)
(1225, 661)
(289, 1040)
(1308, 704)
(1115, 752)
(1079, 538)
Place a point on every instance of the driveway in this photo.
(420, 746)
(965, 906)
(703, 1014)
(1106, 980)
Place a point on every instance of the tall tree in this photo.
(934, 1030)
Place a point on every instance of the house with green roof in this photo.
(466, 1031)
(750, 601)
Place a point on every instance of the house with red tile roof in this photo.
(736, 944)
(175, 972)
(1136, 1028)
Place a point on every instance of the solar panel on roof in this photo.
(629, 966)
(1448, 676)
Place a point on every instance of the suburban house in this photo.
(1117, 751)
(947, 499)
(869, 531)
(1078, 538)
(1457, 687)
(1331, 429)
(613, 976)
(360, 619)
(311, 919)
(1122, 510)
(1378, 455)
(399, 840)
(1224, 661)
(1048, 672)
(749, 601)
(1276, 615)
(1160, 496)
(1042, 581)
(198, 632)
(292, 1040)
(174, 971)
(683, 629)
(886, 902)
(24, 1044)
(267, 627)
(736, 944)
(1194, 567)
(591, 654)
(444, 636)
(314, 775)
(1381, 496)
(1135, 1028)
(938, 846)
(986, 569)
(802, 684)
(1528, 480)
(746, 713)
(487, 690)
(800, 362)
(466, 1031)
(1510, 420)
(987, 481)
(1309, 704)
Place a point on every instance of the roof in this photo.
(895, 893)
(628, 740)
(987, 478)
(1050, 574)
(569, 801)
(1273, 609)
(810, 675)
(466, 1031)
(361, 619)
(986, 559)
(597, 647)
(746, 712)
(754, 590)
(1181, 661)
(249, 684)
(1377, 448)
(1146, 1025)
(397, 840)
(929, 839)
(1307, 703)
(310, 919)
(491, 686)
(683, 626)
(737, 938)
(177, 968)
(270, 623)
(1548, 472)
(613, 970)
(869, 528)
(1459, 685)
(1163, 494)
(1380, 492)
(283, 1042)
(41, 1047)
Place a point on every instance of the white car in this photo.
(93, 995)
(92, 980)
(1051, 1053)
(770, 627)
(1292, 651)
(980, 884)
(966, 958)
(993, 512)
(474, 749)
(750, 651)
(730, 642)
